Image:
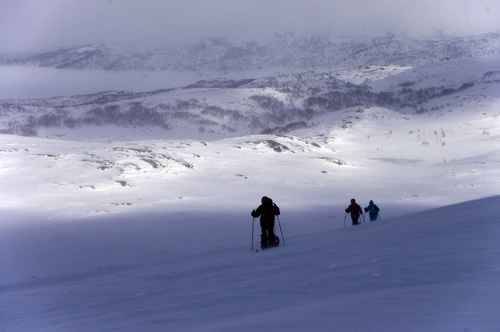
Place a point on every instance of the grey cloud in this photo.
(34, 24)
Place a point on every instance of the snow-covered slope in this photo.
(373, 152)
(432, 271)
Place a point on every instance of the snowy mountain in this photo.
(285, 50)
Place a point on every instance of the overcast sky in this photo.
(35, 24)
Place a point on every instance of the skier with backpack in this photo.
(372, 210)
(267, 212)
(355, 210)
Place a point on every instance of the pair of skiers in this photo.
(356, 211)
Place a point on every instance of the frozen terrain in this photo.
(125, 195)
(307, 139)
(432, 271)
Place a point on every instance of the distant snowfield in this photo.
(451, 73)
(401, 159)
(41, 82)
(38, 82)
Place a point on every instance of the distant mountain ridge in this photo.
(285, 50)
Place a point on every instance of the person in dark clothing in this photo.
(355, 210)
(372, 210)
(267, 212)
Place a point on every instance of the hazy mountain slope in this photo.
(283, 51)
(276, 104)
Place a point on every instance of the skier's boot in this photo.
(275, 240)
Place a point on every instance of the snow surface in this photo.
(107, 240)
(431, 271)
(397, 158)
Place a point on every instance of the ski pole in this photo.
(345, 218)
(281, 231)
(252, 246)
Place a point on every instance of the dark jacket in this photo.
(355, 210)
(373, 210)
(266, 211)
